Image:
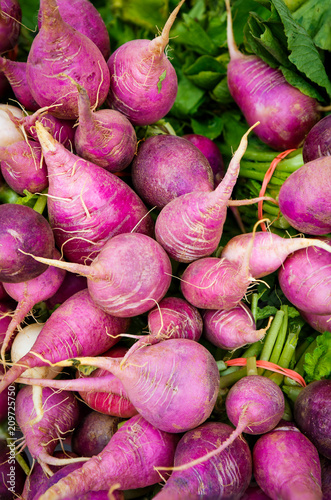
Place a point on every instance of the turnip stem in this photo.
(159, 43)
(254, 302)
(271, 337)
(232, 378)
(276, 352)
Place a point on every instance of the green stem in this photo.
(254, 302)
(253, 350)
(251, 366)
(292, 392)
(299, 367)
(286, 356)
(271, 336)
(41, 202)
(279, 344)
(7, 195)
(271, 209)
(232, 378)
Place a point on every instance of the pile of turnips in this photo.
(143, 304)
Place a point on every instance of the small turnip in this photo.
(10, 24)
(143, 83)
(318, 140)
(15, 72)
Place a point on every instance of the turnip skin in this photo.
(256, 401)
(69, 55)
(167, 166)
(22, 228)
(312, 414)
(87, 205)
(28, 293)
(159, 391)
(304, 198)
(93, 433)
(61, 414)
(93, 334)
(104, 137)
(320, 322)
(269, 250)
(286, 465)
(129, 460)
(305, 279)
(7, 308)
(224, 477)
(15, 72)
(211, 152)
(190, 226)
(143, 83)
(135, 71)
(23, 167)
(285, 114)
(213, 283)
(10, 27)
(231, 329)
(85, 18)
(318, 140)
(9, 467)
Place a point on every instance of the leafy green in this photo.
(317, 364)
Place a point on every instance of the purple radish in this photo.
(61, 415)
(86, 204)
(105, 137)
(93, 433)
(269, 250)
(286, 465)
(304, 198)
(22, 228)
(190, 226)
(113, 400)
(285, 114)
(318, 140)
(131, 273)
(10, 24)
(255, 404)
(15, 72)
(223, 477)
(28, 293)
(85, 18)
(326, 477)
(320, 322)
(167, 166)
(155, 379)
(138, 444)
(23, 167)
(143, 83)
(211, 151)
(312, 414)
(11, 472)
(63, 131)
(85, 330)
(231, 329)
(71, 284)
(172, 318)
(305, 279)
(55, 58)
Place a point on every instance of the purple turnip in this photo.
(87, 205)
(22, 228)
(15, 72)
(143, 83)
(211, 151)
(285, 114)
(104, 137)
(318, 140)
(10, 24)
(286, 465)
(167, 166)
(57, 59)
(223, 477)
(304, 198)
(312, 414)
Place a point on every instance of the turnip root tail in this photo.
(159, 43)
(225, 188)
(232, 46)
(242, 424)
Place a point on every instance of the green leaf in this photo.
(315, 17)
(149, 14)
(211, 128)
(189, 98)
(192, 34)
(303, 52)
(317, 364)
(159, 83)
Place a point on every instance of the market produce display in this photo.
(165, 249)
